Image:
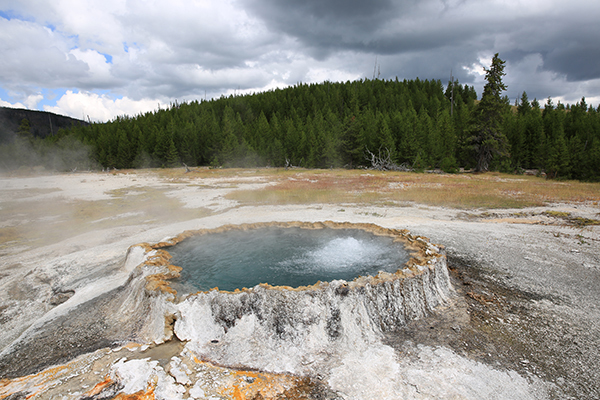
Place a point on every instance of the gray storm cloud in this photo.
(156, 51)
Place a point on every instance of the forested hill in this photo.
(334, 124)
(41, 123)
(316, 126)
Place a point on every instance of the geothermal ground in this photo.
(521, 319)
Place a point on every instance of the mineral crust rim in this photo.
(422, 255)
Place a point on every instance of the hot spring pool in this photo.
(294, 257)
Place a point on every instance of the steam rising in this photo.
(66, 154)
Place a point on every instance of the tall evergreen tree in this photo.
(332, 141)
(228, 142)
(384, 139)
(535, 138)
(172, 156)
(351, 148)
(524, 106)
(557, 159)
(487, 138)
(447, 143)
(125, 153)
(161, 149)
(409, 145)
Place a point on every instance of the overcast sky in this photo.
(112, 57)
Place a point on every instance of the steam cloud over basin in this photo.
(306, 329)
(282, 257)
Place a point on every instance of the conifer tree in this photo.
(524, 105)
(310, 151)
(593, 171)
(366, 134)
(19, 152)
(331, 141)
(228, 141)
(163, 144)
(409, 145)
(188, 145)
(424, 132)
(535, 138)
(447, 143)
(351, 149)
(487, 138)
(125, 153)
(208, 131)
(384, 140)
(515, 133)
(172, 156)
(262, 137)
(557, 159)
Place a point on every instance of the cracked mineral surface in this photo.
(86, 309)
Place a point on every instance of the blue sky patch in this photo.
(51, 96)
(10, 14)
(108, 58)
(4, 95)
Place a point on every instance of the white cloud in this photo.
(29, 103)
(33, 100)
(99, 73)
(11, 105)
(99, 107)
(34, 55)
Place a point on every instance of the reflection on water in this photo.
(282, 256)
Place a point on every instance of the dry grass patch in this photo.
(468, 191)
(182, 176)
(310, 187)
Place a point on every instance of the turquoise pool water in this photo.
(282, 256)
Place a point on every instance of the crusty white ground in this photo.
(93, 263)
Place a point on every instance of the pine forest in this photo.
(417, 124)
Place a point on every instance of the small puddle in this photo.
(163, 353)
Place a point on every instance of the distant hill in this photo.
(42, 123)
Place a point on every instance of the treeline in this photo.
(313, 126)
(563, 141)
(335, 124)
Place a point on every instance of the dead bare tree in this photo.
(383, 161)
(288, 164)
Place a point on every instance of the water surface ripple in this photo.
(282, 257)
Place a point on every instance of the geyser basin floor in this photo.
(552, 322)
(282, 257)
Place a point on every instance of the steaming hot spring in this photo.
(236, 258)
(268, 310)
(289, 297)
